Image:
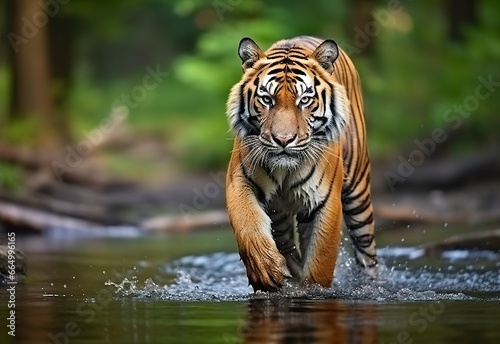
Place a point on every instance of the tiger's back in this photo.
(299, 162)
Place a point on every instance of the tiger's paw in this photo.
(267, 272)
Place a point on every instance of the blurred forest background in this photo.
(110, 93)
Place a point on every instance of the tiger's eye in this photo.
(266, 100)
(305, 100)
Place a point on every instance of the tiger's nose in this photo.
(283, 140)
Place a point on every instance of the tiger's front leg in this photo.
(265, 265)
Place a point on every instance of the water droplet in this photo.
(51, 284)
(104, 272)
(446, 224)
(64, 285)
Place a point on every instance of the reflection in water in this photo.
(302, 321)
(206, 299)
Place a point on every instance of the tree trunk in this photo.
(361, 26)
(31, 95)
(62, 31)
(461, 13)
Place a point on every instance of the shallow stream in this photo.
(192, 288)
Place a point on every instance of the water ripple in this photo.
(221, 277)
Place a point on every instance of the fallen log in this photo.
(80, 175)
(484, 240)
(412, 214)
(169, 223)
(19, 217)
(442, 174)
(90, 212)
(23, 217)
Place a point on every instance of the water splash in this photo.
(221, 277)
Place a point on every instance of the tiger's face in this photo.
(287, 108)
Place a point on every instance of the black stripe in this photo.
(348, 199)
(242, 100)
(321, 178)
(298, 63)
(275, 71)
(249, 97)
(275, 63)
(357, 167)
(364, 240)
(353, 227)
(277, 53)
(280, 221)
(297, 78)
(362, 177)
(332, 109)
(269, 174)
(260, 194)
(347, 163)
(305, 179)
(372, 256)
(358, 209)
(323, 96)
(312, 214)
(297, 56)
(320, 118)
(297, 71)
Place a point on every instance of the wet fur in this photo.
(299, 164)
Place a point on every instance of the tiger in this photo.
(299, 161)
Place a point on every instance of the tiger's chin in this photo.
(284, 162)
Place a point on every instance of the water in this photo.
(160, 290)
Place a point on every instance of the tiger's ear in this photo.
(249, 53)
(326, 54)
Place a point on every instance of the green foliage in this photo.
(414, 75)
(21, 132)
(413, 78)
(10, 177)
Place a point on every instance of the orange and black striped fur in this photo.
(299, 162)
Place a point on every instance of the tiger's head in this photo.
(287, 108)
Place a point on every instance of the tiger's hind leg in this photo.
(358, 216)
